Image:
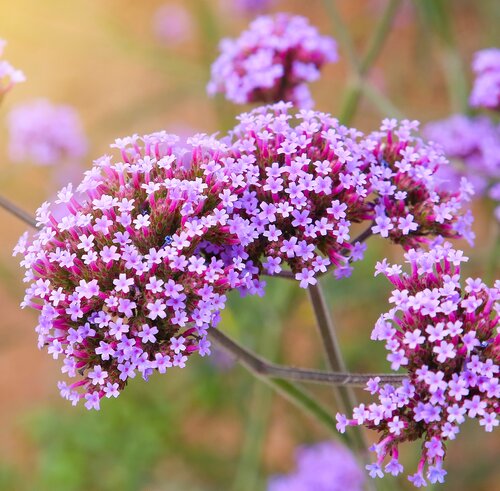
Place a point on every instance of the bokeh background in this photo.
(210, 427)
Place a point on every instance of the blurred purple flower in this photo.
(473, 145)
(272, 61)
(251, 7)
(45, 133)
(172, 24)
(486, 90)
(326, 466)
(9, 76)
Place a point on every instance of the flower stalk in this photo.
(360, 67)
(344, 394)
(263, 368)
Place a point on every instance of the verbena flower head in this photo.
(326, 466)
(273, 60)
(131, 278)
(445, 333)
(45, 133)
(306, 189)
(486, 90)
(9, 76)
(410, 205)
(473, 145)
(172, 24)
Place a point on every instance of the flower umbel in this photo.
(273, 60)
(130, 279)
(410, 206)
(446, 336)
(307, 188)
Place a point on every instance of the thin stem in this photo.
(294, 394)
(304, 401)
(17, 212)
(263, 368)
(379, 36)
(364, 235)
(341, 33)
(385, 106)
(436, 13)
(264, 372)
(344, 395)
(455, 78)
(353, 93)
(248, 469)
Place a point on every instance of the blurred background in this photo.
(127, 67)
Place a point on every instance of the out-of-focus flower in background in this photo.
(172, 24)
(248, 7)
(486, 90)
(273, 60)
(326, 466)
(45, 133)
(473, 146)
(9, 76)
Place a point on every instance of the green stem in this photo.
(264, 368)
(349, 103)
(342, 33)
(381, 102)
(436, 13)
(304, 401)
(209, 28)
(455, 79)
(346, 399)
(344, 396)
(247, 474)
(380, 34)
(354, 90)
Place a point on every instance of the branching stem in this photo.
(262, 367)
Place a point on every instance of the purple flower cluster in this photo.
(410, 206)
(326, 466)
(129, 276)
(446, 336)
(316, 178)
(473, 145)
(130, 279)
(272, 61)
(9, 76)
(172, 24)
(486, 90)
(308, 187)
(45, 133)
